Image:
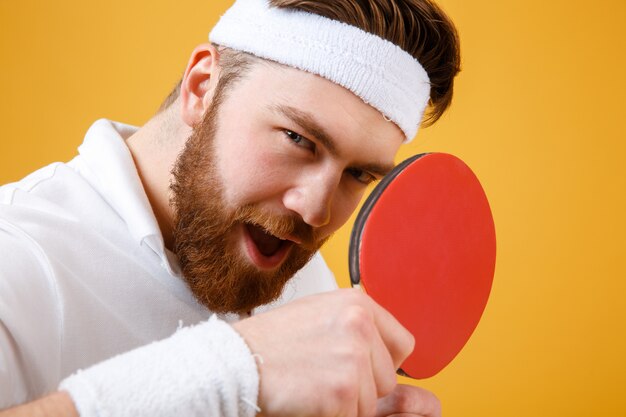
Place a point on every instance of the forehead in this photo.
(356, 127)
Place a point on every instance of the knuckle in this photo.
(406, 399)
(405, 402)
(356, 320)
(343, 391)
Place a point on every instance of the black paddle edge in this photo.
(361, 219)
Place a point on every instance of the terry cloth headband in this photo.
(380, 72)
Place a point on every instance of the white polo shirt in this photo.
(84, 273)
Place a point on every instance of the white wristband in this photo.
(205, 370)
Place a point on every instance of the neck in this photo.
(155, 148)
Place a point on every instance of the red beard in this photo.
(218, 274)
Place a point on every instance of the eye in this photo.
(299, 140)
(362, 176)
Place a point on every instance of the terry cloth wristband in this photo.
(204, 370)
(378, 71)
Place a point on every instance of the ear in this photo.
(199, 82)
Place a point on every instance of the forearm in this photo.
(58, 404)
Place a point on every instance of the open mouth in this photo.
(266, 250)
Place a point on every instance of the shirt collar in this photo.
(107, 156)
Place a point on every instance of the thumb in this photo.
(407, 400)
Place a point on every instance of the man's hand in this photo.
(334, 354)
(407, 400)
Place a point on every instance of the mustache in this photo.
(283, 226)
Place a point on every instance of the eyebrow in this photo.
(309, 124)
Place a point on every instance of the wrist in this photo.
(202, 370)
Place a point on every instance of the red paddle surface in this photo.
(427, 254)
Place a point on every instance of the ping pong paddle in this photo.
(424, 247)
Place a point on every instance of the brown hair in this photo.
(419, 27)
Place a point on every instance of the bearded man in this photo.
(199, 220)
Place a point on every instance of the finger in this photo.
(383, 368)
(367, 403)
(406, 415)
(407, 399)
(398, 340)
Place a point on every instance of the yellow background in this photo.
(538, 114)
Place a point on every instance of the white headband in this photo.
(380, 72)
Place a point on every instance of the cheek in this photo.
(342, 209)
(252, 177)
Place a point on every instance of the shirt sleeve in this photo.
(30, 325)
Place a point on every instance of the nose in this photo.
(312, 198)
